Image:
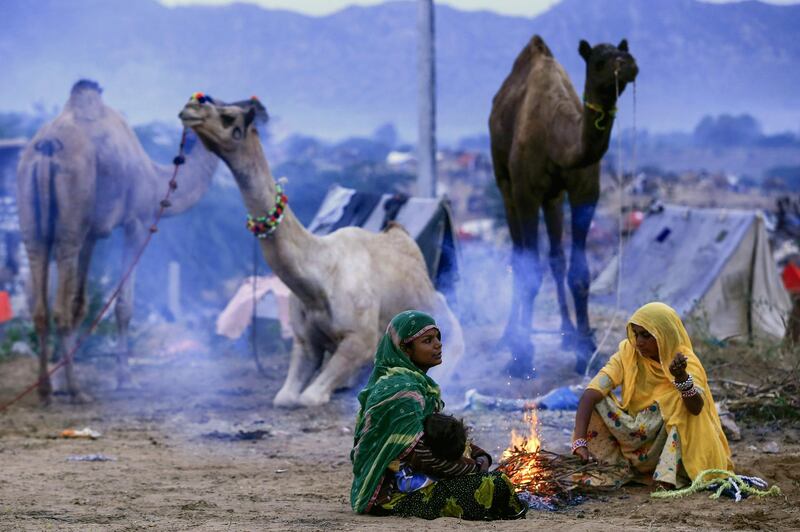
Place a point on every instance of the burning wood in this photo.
(543, 476)
(545, 473)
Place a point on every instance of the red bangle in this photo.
(691, 392)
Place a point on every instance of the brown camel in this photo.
(82, 175)
(547, 143)
(346, 286)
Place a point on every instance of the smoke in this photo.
(482, 299)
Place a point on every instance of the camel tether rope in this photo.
(164, 204)
(621, 219)
(737, 486)
(264, 227)
(253, 335)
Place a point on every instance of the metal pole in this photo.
(174, 289)
(426, 74)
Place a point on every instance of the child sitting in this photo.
(444, 451)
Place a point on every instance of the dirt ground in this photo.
(175, 466)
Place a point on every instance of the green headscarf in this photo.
(394, 404)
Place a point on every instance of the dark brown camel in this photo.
(547, 143)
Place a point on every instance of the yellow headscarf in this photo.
(703, 444)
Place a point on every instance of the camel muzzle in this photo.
(189, 118)
(627, 68)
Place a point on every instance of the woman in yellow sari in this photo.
(665, 428)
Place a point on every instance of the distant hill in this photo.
(349, 72)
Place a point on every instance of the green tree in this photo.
(727, 130)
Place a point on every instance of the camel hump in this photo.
(86, 84)
(538, 46)
(529, 55)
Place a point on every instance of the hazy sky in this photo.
(528, 8)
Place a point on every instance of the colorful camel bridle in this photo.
(260, 226)
(264, 226)
(199, 97)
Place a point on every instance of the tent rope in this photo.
(722, 480)
(621, 219)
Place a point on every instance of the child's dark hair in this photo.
(446, 436)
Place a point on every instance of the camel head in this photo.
(223, 127)
(608, 67)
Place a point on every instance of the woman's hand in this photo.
(585, 408)
(694, 401)
(483, 463)
(584, 454)
(678, 367)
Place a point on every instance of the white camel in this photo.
(346, 286)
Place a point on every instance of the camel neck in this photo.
(598, 120)
(293, 254)
(193, 177)
(291, 251)
(582, 132)
(599, 109)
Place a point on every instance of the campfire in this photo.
(544, 479)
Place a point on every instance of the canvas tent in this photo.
(427, 220)
(271, 299)
(713, 265)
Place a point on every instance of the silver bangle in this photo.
(686, 385)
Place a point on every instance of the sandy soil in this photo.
(174, 469)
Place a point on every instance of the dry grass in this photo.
(758, 380)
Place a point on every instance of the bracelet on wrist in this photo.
(691, 392)
(685, 385)
(579, 442)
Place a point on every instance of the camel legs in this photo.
(69, 309)
(579, 279)
(352, 352)
(81, 302)
(554, 220)
(67, 341)
(78, 307)
(528, 280)
(503, 180)
(525, 205)
(39, 259)
(135, 235)
(305, 360)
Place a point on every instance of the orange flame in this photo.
(529, 443)
(530, 476)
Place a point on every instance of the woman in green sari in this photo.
(389, 434)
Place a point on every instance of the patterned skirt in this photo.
(642, 445)
(477, 497)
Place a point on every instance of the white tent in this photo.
(713, 266)
(271, 298)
